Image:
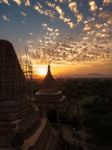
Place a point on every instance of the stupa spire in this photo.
(49, 70)
(49, 82)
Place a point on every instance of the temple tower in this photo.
(49, 96)
(17, 111)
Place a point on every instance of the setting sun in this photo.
(42, 70)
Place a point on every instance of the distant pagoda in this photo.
(49, 96)
(17, 112)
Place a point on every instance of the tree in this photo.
(97, 116)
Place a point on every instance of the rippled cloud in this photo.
(57, 49)
(92, 20)
(55, 9)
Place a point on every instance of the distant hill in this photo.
(91, 75)
(95, 74)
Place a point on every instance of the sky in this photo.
(74, 36)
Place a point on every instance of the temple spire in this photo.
(49, 70)
(49, 82)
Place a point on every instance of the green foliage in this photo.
(98, 117)
(80, 88)
(64, 117)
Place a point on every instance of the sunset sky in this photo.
(74, 36)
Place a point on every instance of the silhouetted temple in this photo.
(49, 96)
(20, 123)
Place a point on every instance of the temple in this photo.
(20, 123)
(49, 96)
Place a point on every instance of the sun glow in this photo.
(42, 70)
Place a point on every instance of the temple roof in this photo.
(49, 82)
(16, 109)
(12, 80)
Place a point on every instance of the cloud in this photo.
(51, 34)
(52, 5)
(73, 6)
(56, 10)
(61, 1)
(5, 18)
(23, 13)
(107, 2)
(6, 2)
(65, 19)
(91, 22)
(57, 49)
(30, 33)
(18, 2)
(27, 3)
(93, 6)
(39, 8)
(60, 11)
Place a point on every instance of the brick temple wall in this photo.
(16, 109)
